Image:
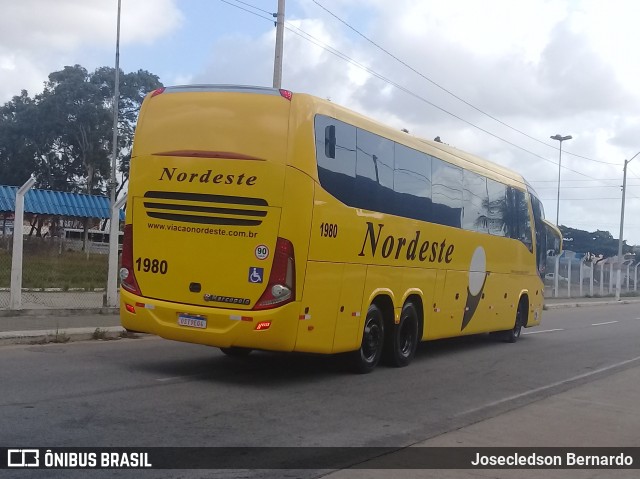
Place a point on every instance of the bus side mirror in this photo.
(330, 141)
(554, 241)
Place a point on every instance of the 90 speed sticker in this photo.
(262, 251)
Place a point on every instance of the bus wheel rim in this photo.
(372, 338)
(406, 337)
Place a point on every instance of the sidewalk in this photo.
(58, 325)
(558, 303)
(602, 413)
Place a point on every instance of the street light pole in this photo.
(624, 188)
(560, 138)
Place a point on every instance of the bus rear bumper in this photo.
(273, 330)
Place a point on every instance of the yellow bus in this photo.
(263, 219)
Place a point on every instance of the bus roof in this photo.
(440, 150)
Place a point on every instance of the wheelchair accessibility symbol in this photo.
(255, 275)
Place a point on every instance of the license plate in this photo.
(192, 321)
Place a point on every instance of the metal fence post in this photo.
(601, 279)
(569, 261)
(15, 295)
(555, 277)
(581, 278)
(591, 279)
(114, 236)
(611, 277)
(628, 270)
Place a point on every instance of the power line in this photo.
(249, 11)
(254, 7)
(310, 38)
(402, 62)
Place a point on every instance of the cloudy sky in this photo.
(496, 78)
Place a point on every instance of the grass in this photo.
(50, 269)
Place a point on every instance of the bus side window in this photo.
(337, 173)
(475, 201)
(446, 193)
(518, 220)
(330, 141)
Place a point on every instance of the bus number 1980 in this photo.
(152, 265)
(329, 230)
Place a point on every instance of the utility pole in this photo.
(624, 189)
(277, 62)
(111, 296)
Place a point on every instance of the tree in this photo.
(64, 134)
(597, 242)
(134, 87)
(17, 152)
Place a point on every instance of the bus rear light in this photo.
(286, 94)
(263, 325)
(157, 91)
(127, 275)
(130, 308)
(281, 286)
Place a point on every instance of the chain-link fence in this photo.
(57, 273)
(5, 269)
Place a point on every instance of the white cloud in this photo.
(541, 66)
(39, 36)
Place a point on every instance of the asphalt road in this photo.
(152, 392)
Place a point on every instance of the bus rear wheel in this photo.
(236, 352)
(403, 340)
(365, 359)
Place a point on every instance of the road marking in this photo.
(173, 378)
(601, 324)
(543, 331)
(550, 386)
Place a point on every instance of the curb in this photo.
(62, 335)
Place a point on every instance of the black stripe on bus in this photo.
(204, 209)
(173, 195)
(204, 220)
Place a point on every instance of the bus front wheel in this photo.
(403, 340)
(365, 359)
(512, 335)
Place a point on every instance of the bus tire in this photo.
(512, 335)
(236, 352)
(403, 338)
(365, 359)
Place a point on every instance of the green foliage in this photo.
(64, 134)
(597, 242)
(17, 145)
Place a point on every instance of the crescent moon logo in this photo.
(477, 280)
